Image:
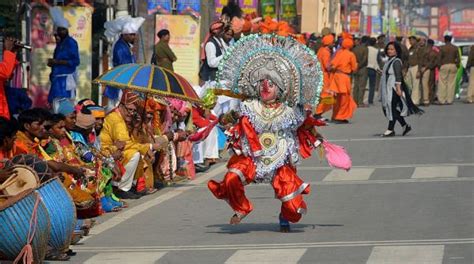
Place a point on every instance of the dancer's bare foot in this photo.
(235, 220)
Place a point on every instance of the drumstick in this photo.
(8, 182)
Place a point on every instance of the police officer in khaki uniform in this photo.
(470, 68)
(399, 40)
(449, 62)
(361, 51)
(426, 62)
(433, 66)
(412, 78)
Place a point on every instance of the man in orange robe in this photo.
(6, 70)
(343, 64)
(324, 56)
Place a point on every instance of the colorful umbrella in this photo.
(150, 79)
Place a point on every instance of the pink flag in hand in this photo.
(337, 156)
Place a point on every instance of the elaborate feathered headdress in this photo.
(292, 66)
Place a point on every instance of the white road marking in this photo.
(407, 255)
(125, 257)
(435, 172)
(352, 175)
(381, 166)
(286, 256)
(423, 242)
(401, 138)
(220, 170)
(131, 212)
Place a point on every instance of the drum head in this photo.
(26, 178)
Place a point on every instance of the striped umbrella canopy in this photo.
(149, 79)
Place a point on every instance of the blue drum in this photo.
(15, 215)
(62, 213)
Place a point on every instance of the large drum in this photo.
(25, 178)
(15, 215)
(62, 213)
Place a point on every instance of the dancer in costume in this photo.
(273, 128)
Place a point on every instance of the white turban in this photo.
(57, 16)
(133, 25)
(448, 33)
(123, 25)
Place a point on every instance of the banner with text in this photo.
(184, 42)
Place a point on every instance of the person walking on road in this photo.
(342, 66)
(360, 76)
(324, 55)
(449, 62)
(372, 69)
(396, 100)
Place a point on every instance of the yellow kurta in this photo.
(115, 130)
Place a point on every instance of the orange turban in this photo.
(328, 40)
(284, 29)
(247, 27)
(216, 26)
(268, 25)
(346, 35)
(347, 43)
(300, 38)
(152, 105)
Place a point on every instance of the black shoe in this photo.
(201, 168)
(391, 134)
(126, 195)
(336, 121)
(284, 225)
(71, 253)
(407, 129)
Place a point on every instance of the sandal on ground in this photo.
(56, 256)
(107, 206)
(117, 200)
(70, 252)
(76, 237)
(151, 190)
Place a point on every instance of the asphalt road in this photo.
(406, 200)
